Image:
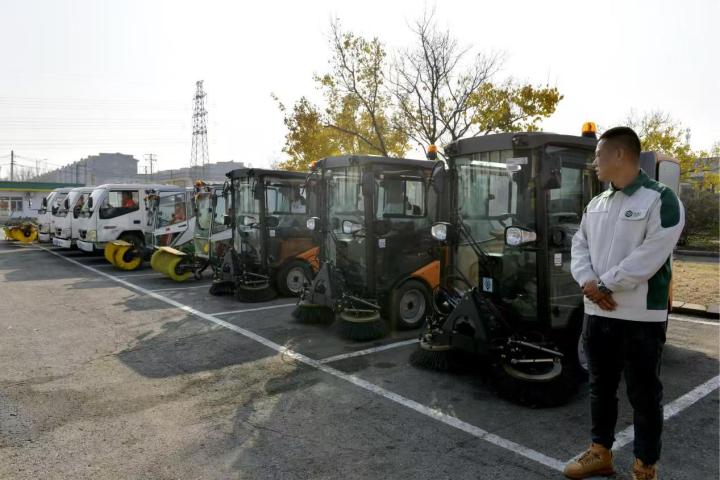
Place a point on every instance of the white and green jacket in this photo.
(626, 238)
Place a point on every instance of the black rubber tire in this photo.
(281, 278)
(402, 307)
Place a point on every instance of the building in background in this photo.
(23, 199)
(122, 168)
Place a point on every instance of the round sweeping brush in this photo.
(310, 313)
(362, 327)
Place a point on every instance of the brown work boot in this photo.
(597, 460)
(644, 472)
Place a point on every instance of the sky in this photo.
(78, 77)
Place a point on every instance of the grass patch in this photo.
(695, 282)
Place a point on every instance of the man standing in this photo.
(621, 259)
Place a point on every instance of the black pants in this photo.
(614, 346)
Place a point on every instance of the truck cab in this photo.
(117, 212)
(50, 206)
(66, 215)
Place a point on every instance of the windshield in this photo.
(171, 209)
(487, 197)
(48, 202)
(248, 234)
(71, 199)
(346, 205)
(58, 202)
(96, 195)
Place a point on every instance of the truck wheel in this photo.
(292, 277)
(409, 305)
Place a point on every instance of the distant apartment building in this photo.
(122, 168)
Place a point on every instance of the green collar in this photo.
(633, 186)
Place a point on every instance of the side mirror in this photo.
(312, 223)
(437, 180)
(368, 184)
(90, 202)
(66, 204)
(551, 176)
(214, 200)
(516, 236)
(351, 227)
(44, 202)
(227, 220)
(272, 221)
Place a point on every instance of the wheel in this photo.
(292, 277)
(409, 305)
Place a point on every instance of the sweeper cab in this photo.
(378, 261)
(187, 236)
(272, 251)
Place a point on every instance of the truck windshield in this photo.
(171, 208)
(58, 202)
(97, 196)
(71, 199)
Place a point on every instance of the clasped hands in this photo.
(603, 300)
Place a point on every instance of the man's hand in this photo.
(603, 300)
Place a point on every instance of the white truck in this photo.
(50, 204)
(117, 212)
(66, 215)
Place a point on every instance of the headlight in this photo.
(311, 223)
(66, 233)
(44, 228)
(91, 236)
(439, 231)
(515, 236)
(351, 227)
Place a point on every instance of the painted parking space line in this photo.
(671, 409)
(20, 250)
(132, 275)
(692, 320)
(368, 351)
(435, 414)
(268, 307)
(189, 287)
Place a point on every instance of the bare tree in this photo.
(433, 83)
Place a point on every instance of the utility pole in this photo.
(12, 165)
(199, 154)
(151, 158)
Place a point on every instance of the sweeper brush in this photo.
(263, 293)
(362, 326)
(25, 232)
(167, 261)
(109, 252)
(126, 256)
(309, 313)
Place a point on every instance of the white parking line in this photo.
(626, 436)
(159, 275)
(692, 320)
(254, 309)
(368, 351)
(18, 250)
(204, 285)
(445, 418)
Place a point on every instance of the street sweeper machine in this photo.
(511, 205)
(272, 250)
(182, 249)
(379, 263)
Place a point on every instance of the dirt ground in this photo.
(696, 282)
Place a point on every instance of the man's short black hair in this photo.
(625, 138)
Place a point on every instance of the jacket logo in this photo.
(629, 213)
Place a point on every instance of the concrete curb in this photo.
(697, 253)
(707, 311)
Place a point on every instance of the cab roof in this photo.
(260, 172)
(145, 186)
(347, 160)
(509, 141)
